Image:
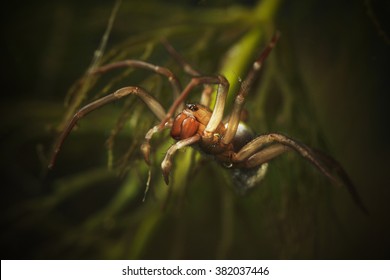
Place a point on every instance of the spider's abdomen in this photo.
(243, 136)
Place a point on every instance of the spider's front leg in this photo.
(166, 164)
(190, 70)
(150, 101)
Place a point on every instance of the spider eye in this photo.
(192, 107)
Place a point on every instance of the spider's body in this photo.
(193, 121)
(230, 142)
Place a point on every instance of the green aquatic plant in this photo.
(93, 203)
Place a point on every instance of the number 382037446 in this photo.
(242, 270)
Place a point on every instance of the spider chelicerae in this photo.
(228, 140)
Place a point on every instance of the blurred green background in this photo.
(326, 83)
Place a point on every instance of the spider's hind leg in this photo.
(266, 147)
(252, 170)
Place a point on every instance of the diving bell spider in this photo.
(229, 142)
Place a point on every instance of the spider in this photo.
(229, 141)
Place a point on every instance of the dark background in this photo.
(334, 57)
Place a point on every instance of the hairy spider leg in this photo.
(145, 148)
(336, 167)
(239, 101)
(190, 70)
(150, 101)
(173, 80)
(266, 147)
(166, 164)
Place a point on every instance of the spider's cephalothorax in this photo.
(229, 142)
(193, 120)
